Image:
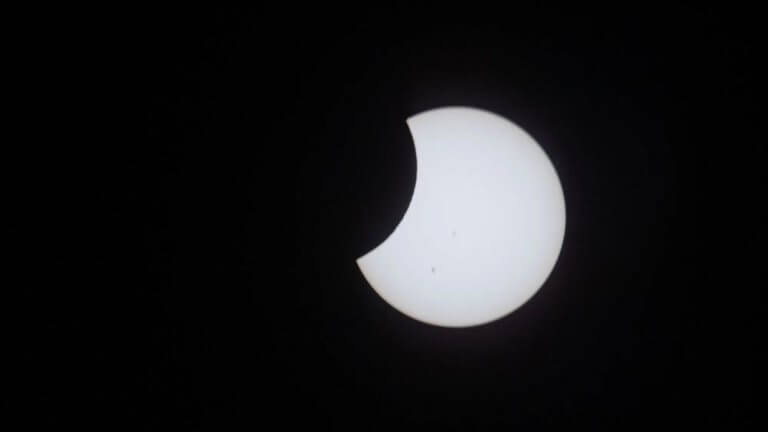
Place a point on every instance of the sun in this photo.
(484, 227)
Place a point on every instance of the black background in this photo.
(243, 159)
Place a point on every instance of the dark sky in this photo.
(255, 154)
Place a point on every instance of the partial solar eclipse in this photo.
(484, 227)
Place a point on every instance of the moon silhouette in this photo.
(484, 227)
